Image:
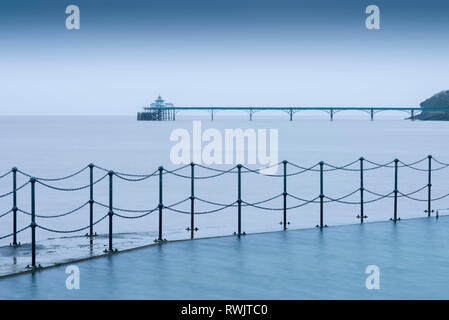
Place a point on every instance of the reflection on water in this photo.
(304, 264)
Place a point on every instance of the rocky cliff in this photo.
(439, 100)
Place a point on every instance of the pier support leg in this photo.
(332, 114)
(291, 114)
(372, 114)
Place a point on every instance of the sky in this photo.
(218, 53)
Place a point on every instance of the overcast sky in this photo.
(219, 52)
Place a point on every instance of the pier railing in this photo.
(360, 166)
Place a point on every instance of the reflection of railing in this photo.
(360, 165)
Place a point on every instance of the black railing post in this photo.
(429, 188)
(284, 194)
(33, 222)
(239, 200)
(111, 210)
(362, 188)
(321, 195)
(14, 206)
(192, 200)
(395, 190)
(161, 206)
(91, 200)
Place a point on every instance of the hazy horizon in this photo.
(218, 53)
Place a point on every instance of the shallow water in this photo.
(412, 257)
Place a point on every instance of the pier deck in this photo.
(169, 113)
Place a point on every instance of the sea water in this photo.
(411, 257)
(54, 146)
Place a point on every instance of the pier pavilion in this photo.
(157, 111)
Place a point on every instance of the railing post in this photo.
(362, 188)
(192, 200)
(91, 200)
(111, 212)
(239, 199)
(33, 222)
(395, 189)
(285, 194)
(14, 206)
(429, 188)
(321, 195)
(161, 169)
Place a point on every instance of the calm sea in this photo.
(56, 146)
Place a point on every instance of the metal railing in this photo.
(360, 165)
